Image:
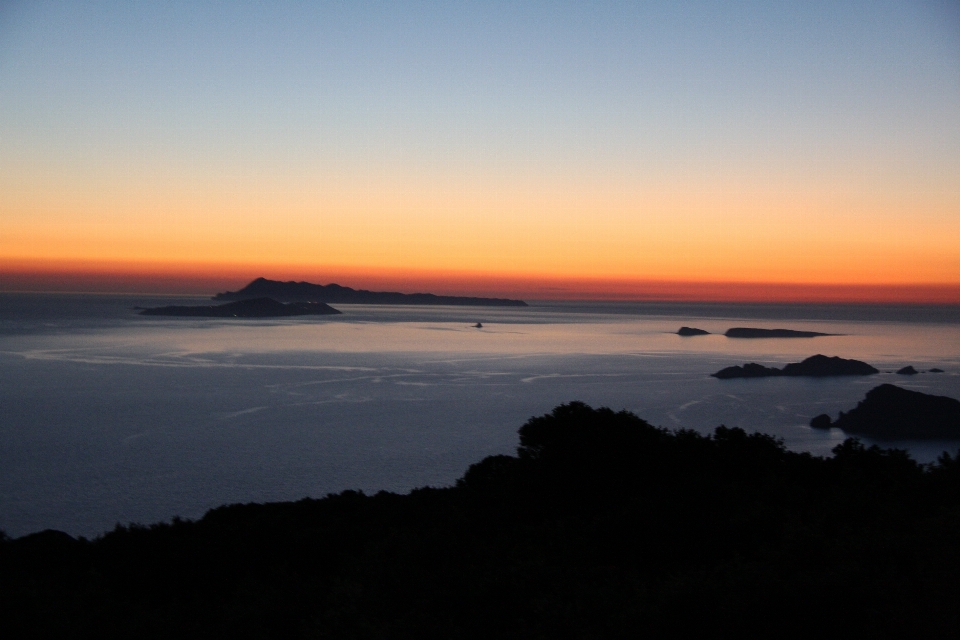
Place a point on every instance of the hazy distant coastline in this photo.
(249, 308)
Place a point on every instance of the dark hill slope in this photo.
(602, 526)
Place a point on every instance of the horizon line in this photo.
(703, 301)
(528, 287)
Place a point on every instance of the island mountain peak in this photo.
(291, 291)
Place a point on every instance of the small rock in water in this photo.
(908, 371)
(479, 325)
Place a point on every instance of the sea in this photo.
(108, 417)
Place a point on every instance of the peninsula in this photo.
(749, 332)
(334, 293)
(891, 412)
(254, 308)
(818, 366)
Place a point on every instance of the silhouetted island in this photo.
(253, 308)
(889, 412)
(692, 331)
(601, 526)
(818, 366)
(748, 332)
(334, 293)
(935, 370)
(908, 371)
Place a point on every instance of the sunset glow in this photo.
(414, 149)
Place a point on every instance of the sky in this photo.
(549, 149)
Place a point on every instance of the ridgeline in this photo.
(334, 293)
(602, 526)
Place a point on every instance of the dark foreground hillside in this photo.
(601, 527)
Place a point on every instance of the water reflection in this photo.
(118, 417)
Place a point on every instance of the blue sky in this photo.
(199, 95)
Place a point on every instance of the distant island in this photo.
(749, 332)
(334, 293)
(254, 308)
(891, 412)
(818, 366)
(692, 331)
(907, 371)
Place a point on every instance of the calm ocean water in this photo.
(107, 416)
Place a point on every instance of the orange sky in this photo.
(608, 236)
(207, 278)
(662, 152)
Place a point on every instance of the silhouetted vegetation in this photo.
(602, 526)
